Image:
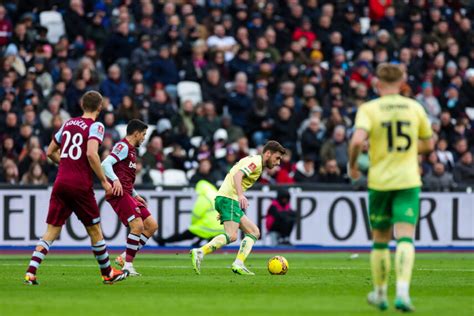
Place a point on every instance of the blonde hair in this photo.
(389, 73)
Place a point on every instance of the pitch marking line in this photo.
(213, 267)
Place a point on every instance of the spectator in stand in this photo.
(127, 110)
(143, 56)
(280, 218)
(220, 41)
(109, 124)
(35, 175)
(284, 128)
(330, 172)
(460, 147)
(444, 155)
(464, 170)
(306, 171)
(213, 88)
(439, 179)
(154, 157)
(10, 172)
(311, 140)
(209, 123)
(238, 101)
(114, 87)
(161, 107)
(234, 132)
(336, 148)
(428, 100)
(163, 69)
(204, 172)
(119, 47)
(53, 109)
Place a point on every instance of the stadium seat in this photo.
(190, 173)
(196, 141)
(122, 130)
(220, 153)
(167, 150)
(189, 90)
(53, 21)
(174, 177)
(156, 176)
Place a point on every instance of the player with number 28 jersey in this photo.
(72, 137)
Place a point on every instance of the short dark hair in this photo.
(91, 101)
(274, 146)
(136, 125)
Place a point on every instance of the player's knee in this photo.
(151, 226)
(256, 233)
(136, 226)
(233, 237)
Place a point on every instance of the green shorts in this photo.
(229, 209)
(389, 207)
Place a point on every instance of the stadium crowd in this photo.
(293, 71)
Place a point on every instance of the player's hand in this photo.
(141, 200)
(117, 189)
(107, 187)
(354, 173)
(243, 202)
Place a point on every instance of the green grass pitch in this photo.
(316, 284)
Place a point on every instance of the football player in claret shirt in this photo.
(120, 168)
(75, 148)
(231, 204)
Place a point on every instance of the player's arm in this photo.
(107, 165)
(243, 202)
(425, 133)
(357, 141)
(94, 162)
(54, 152)
(54, 148)
(425, 146)
(137, 197)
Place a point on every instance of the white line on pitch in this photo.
(225, 267)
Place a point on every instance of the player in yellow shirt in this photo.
(398, 129)
(231, 204)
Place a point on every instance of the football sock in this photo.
(100, 252)
(38, 256)
(143, 239)
(216, 243)
(380, 266)
(404, 259)
(133, 242)
(245, 248)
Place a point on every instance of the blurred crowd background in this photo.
(215, 79)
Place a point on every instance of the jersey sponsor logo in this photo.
(132, 165)
(252, 167)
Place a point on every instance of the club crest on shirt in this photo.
(252, 166)
(100, 129)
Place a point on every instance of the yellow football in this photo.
(278, 265)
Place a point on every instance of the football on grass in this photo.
(278, 265)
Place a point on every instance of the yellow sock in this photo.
(216, 243)
(380, 266)
(245, 247)
(404, 259)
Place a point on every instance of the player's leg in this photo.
(58, 213)
(41, 250)
(150, 226)
(252, 234)
(99, 248)
(380, 209)
(230, 214)
(405, 216)
(197, 254)
(133, 242)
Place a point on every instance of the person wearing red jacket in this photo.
(280, 218)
